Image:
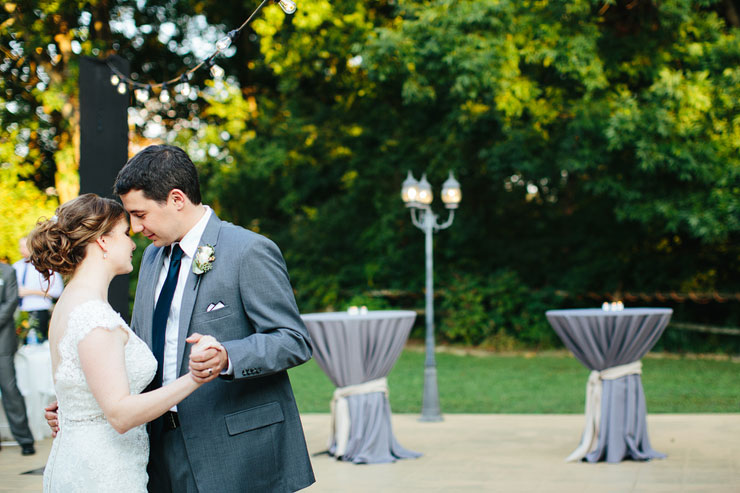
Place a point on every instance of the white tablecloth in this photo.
(35, 382)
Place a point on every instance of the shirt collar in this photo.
(189, 242)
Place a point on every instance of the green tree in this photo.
(597, 142)
(615, 123)
(22, 205)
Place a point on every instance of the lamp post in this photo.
(417, 195)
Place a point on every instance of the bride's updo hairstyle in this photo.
(59, 244)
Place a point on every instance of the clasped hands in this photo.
(208, 358)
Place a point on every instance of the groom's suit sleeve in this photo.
(280, 339)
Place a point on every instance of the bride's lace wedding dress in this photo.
(88, 454)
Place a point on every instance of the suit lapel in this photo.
(192, 285)
(148, 285)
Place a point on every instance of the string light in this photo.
(217, 72)
(288, 6)
(164, 96)
(142, 94)
(184, 86)
(223, 43)
(142, 91)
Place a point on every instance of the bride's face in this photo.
(120, 248)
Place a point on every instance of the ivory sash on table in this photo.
(594, 387)
(340, 417)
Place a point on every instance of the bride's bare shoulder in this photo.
(66, 305)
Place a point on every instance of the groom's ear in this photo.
(178, 198)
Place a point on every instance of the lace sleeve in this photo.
(89, 315)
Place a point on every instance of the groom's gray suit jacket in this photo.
(242, 434)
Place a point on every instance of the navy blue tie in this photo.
(162, 311)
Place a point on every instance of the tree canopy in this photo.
(597, 142)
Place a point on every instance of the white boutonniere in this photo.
(205, 255)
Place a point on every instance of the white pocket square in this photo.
(215, 306)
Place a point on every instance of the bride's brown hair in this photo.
(59, 244)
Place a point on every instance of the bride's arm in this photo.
(102, 359)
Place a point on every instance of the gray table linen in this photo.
(604, 339)
(354, 349)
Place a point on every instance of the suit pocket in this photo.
(255, 418)
(207, 317)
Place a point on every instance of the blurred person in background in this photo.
(35, 293)
(13, 403)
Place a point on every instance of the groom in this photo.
(201, 275)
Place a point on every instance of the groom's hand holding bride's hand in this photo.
(208, 358)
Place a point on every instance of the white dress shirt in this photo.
(28, 277)
(189, 245)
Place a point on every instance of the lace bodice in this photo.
(88, 454)
(75, 399)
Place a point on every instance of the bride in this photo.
(100, 366)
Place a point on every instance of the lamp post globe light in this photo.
(417, 195)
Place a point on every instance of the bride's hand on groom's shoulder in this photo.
(208, 357)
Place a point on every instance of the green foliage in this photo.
(597, 142)
(369, 302)
(38, 87)
(497, 311)
(675, 340)
(22, 205)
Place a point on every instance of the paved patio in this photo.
(503, 453)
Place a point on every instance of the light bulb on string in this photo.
(122, 88)
(142, 95)
(288, 6)
(184, 86)
(164, 96)
(223, 43)
(217, 72)
(226, 41)
(114, 80)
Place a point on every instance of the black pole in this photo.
(104, 143)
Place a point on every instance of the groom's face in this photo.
(157, 221)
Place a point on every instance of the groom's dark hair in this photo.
(157, 170)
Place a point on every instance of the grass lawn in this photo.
(543, 383)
